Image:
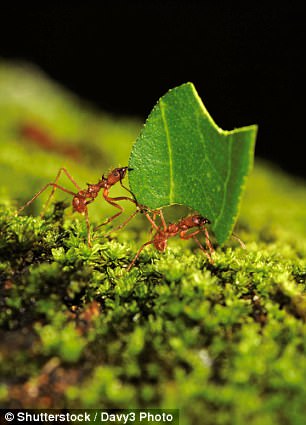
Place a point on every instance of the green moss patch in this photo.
(224, 342)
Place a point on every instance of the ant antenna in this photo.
(242, 244)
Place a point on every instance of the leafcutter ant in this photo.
(83, 198)
(163, 232)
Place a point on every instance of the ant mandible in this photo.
(83, 198)
(164, 232)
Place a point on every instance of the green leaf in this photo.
(182, 157)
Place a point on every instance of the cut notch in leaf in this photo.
(182, 157)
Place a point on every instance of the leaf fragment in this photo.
(182, 157)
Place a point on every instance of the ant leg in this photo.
(192, 235)
(208, 255)
(152, 220)
(121, 226)
(163, 220)
(119, 198)
(207, 240)
(55, 186)
(111, 201)
(187, 236)
(138, 253)
(140, 209)
(154, 216)
(62, 169)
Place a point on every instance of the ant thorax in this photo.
(93, 190)
(83, 197)
(172, 229)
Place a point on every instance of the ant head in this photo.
(120, 172)
(200, 221)
(116, 175)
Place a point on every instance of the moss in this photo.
(225, 342)
(175, 332)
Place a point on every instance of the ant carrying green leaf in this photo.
(163, 232)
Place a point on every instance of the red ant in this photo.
(82, 198)
(164, 232)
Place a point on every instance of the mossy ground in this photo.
(224, 342)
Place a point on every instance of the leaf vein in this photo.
(227, 179)
(205, 156)
(171, 185)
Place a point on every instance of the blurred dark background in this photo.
(246, 61)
